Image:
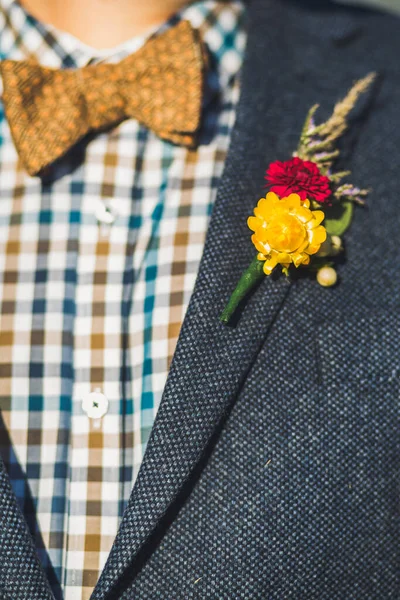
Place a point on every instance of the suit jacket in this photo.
(273, 467)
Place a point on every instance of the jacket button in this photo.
(95, 404)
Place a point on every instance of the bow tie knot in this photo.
(101, 91)
(160, 85)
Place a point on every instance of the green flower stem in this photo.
(250, 278)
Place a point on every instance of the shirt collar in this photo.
(221, 25)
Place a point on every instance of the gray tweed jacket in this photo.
(273, 468)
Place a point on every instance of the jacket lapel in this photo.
(211, 360)
(21, 575)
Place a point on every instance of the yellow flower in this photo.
(286, 231)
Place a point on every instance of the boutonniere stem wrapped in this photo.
(300, 221)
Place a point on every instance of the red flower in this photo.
(297, 176)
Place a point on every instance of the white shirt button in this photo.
(105, 213)
(95, 404)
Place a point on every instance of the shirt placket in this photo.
(131, 283)
(96, 446)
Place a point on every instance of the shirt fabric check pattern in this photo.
(97, 263)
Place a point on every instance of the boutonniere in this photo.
(308, 207)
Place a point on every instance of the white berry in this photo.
(336, 242)
(327, 276)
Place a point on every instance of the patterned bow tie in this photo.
(160, 85)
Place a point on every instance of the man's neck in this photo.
(103, 23)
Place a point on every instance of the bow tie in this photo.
(160, 85)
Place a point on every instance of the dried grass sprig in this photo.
(317, 142)
(337, 124)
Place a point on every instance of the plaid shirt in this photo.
(97, 264)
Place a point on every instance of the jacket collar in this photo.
(212, 361)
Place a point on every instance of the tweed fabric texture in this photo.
(98, 262)
(269, 472)
(22, 578)
(160, 85)
(272, 470)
